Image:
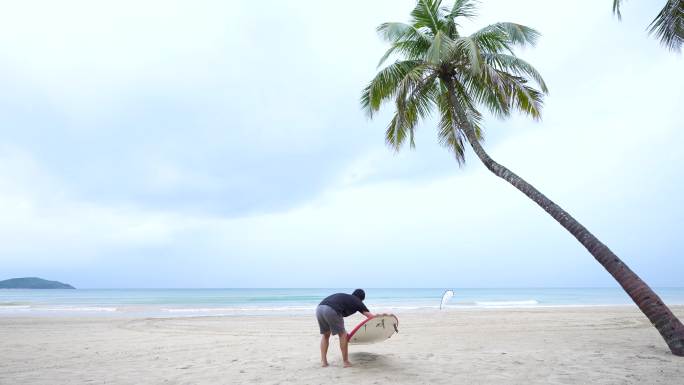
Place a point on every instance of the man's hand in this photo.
(368, 314)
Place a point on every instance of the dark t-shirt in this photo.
(344, 304)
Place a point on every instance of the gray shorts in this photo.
(329, 320)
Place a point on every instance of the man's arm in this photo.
(368, 314)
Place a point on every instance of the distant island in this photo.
(33, 283)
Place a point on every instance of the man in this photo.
(330, 313)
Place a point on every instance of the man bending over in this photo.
(330, 313)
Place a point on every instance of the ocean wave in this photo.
(14, 307)
(237, 309)
(498, 304)
(79, 309)
(38, 309)
(407, 307)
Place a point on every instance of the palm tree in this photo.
(456, 75)
(668, 25)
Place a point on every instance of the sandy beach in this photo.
(587, 345)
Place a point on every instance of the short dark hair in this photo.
(360, 294)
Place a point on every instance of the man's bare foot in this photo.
(324, 364)
(347, 364)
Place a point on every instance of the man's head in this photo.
(360, 294)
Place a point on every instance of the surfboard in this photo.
(376, 329)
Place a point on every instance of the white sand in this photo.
(537, 346)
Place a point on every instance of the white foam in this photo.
(416, 307)
(504, 304)
(14, 307)
(79, 309)
(237, 309)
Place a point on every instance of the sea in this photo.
(279, 302)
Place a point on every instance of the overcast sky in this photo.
(221, 144)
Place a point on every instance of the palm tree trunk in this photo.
(645, 298)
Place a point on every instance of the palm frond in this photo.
(456, 75)
(466, 51)
(467, 104)
(426, 15)
(393, 32)
(517, 33)
(462, 8)
(414, 101)
(517, 66)
(449, 133)
(452, 125)
(668, 26)
(488, 89)
(397, 131)
(441, 46)
(521, 96)
(616, 8)
(409, 49)
(406, 40)
(492, 40)
(384, 85)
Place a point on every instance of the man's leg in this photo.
(344, 344)
(325, 341)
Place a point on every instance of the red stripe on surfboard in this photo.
(351, 334)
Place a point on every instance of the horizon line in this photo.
(349, 288)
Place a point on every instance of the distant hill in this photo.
(32, 283)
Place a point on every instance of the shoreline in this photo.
(113, 311)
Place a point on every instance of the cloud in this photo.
(212, 107)
(182, 144)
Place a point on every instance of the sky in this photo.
(221, 144)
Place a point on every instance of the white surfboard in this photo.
(376, 329)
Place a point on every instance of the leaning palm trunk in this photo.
(456, 74)
(645, 298)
